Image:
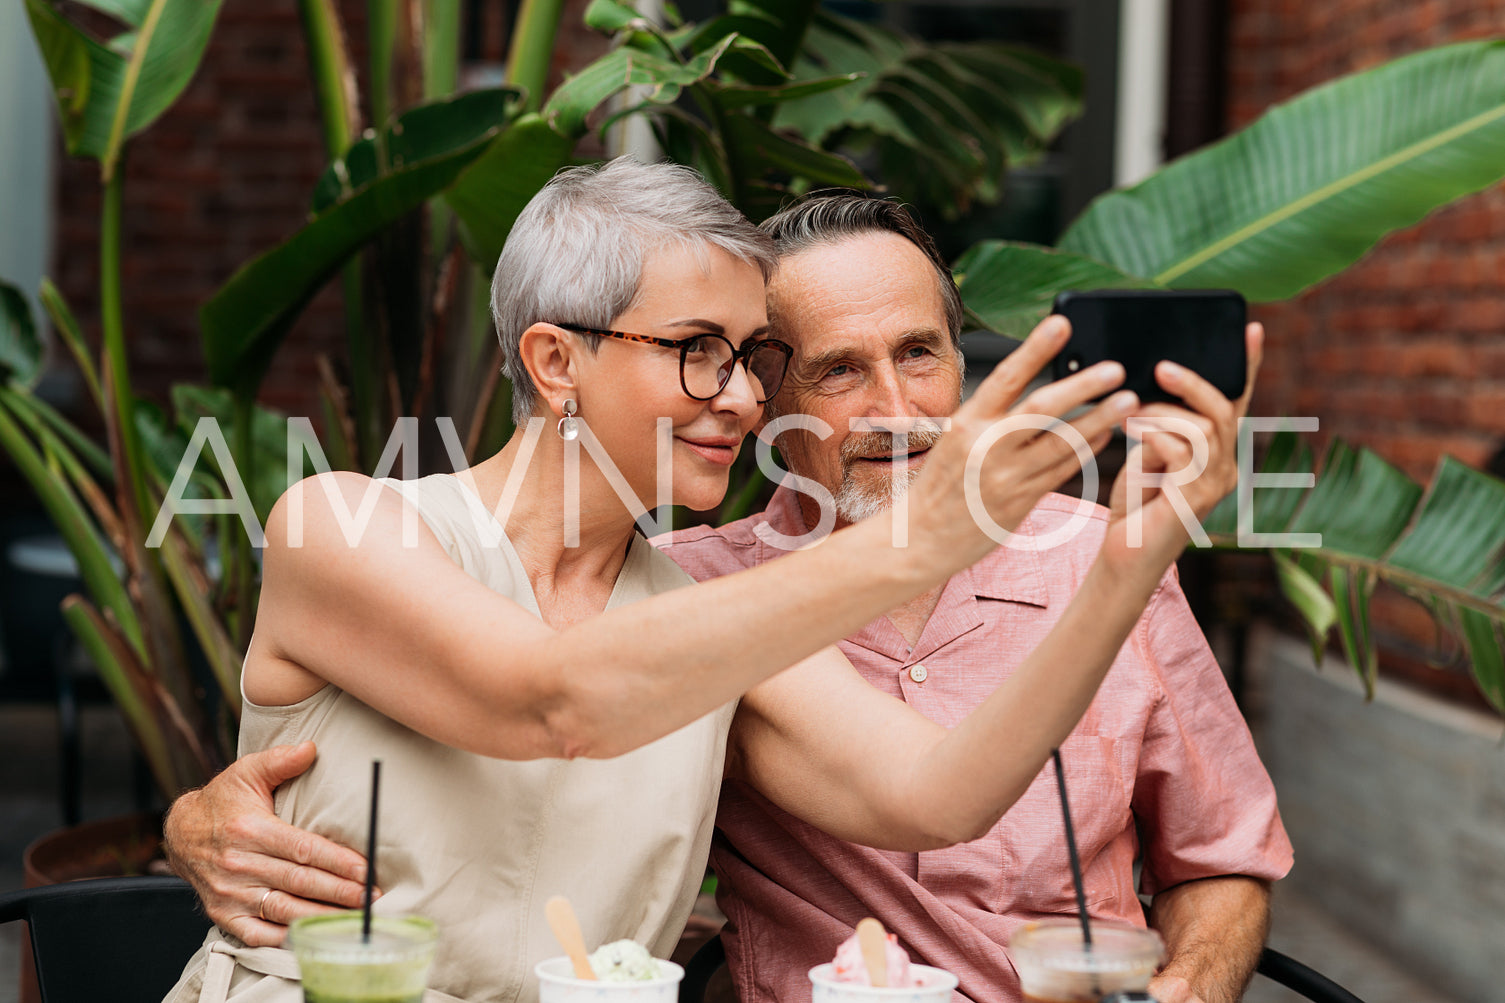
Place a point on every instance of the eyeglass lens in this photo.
(708, 363)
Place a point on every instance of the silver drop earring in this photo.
(569, 426)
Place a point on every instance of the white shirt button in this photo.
(918, 672)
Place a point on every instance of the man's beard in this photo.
(856, 500)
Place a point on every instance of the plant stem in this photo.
(78, 532)
(333, 77)
(532, 48)
(115, 670)
(441, 75)
(339, 115)
(381, 38)
(441, 48)
(131, 477)
(67, 329)
(245, 582)
(95, 458)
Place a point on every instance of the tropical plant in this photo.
(422, 188)
(767, 99)
(1289, 201)
(1443, 545)
(939, 122)
(711, 92)
(108, 92)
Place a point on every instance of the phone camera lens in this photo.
(1073, 363)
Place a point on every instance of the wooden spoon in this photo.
(567, 931)
(873, 941)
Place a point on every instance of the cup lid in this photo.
(336, 938)
(1057, 943)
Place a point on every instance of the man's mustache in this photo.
(922, 434)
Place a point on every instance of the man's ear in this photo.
(548, 353)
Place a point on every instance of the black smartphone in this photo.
(1201, 329)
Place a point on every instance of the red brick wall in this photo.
(1405, 351)
(223, 176)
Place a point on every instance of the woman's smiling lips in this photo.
(721, 450)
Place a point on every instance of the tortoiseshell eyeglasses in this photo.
(706, 361)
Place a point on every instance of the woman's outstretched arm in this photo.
(922, 786)
(406, 631)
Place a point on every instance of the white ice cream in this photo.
(623, 961)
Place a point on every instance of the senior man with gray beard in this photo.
(1162, 767)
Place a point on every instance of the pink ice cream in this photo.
(849, 966)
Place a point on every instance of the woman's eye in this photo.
(697, 346)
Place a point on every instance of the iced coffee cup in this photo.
(557, 984)
(1055, 965)
(339, 966)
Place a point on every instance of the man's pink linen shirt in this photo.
(1162, 745)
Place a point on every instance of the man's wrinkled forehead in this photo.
(805, 285)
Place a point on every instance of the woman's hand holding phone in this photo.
(1185, 462)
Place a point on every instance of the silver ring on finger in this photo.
(261, 908)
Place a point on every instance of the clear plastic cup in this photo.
(935, 986)
(1056, 966)
(338, 967)
(557, 984)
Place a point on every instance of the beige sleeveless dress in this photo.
(480, 844)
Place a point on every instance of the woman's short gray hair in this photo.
(576, 253)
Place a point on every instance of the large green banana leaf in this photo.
(1309, 187)
(1008, 287)
(1445, 546)
(626, 66)
(945, 120)
(730, 81)
(107, 93)
(784, 24)
(489, 194)
(379, 181)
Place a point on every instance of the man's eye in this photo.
(841, 369)
(916, 352)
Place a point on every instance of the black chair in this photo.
(706, 962)
(1273, 965)
(119, 939)
(1300, 979)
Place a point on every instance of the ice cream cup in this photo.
(557, 984)
(936, 986)
(339, 966)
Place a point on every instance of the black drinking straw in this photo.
(1076, 860)
(371, 853)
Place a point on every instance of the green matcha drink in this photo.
(338, 968)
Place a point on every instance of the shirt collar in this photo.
(1011, 574)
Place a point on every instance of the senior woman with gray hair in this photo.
(551, 704)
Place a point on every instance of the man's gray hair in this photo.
(833, 215)
(576, 253)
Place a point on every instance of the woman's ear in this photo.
(548, 353)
